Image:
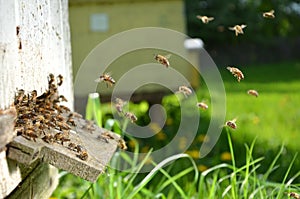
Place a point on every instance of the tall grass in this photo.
(224, 180)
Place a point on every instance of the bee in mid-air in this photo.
(122, 144)
(238, 29)
(131, 117)
(269, 14)
(231, 123)
(294, 195)
(164, 60)
(202, 105)
(119, 105)
(185, 90)
(253, 92)
(107, 79)
(205, 19)
(236, 73)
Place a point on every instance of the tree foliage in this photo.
(231, 12)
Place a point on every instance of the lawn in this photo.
(257, 160)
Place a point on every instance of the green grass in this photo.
(263, 161)
(274, 115)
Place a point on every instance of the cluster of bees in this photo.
(43, 117)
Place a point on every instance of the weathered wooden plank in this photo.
(100, 148)
(39, 184)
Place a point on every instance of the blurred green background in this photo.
(267, 53)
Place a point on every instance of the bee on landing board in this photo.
(238, 29)
(253, 92)
(205, 19)
(164, 60)
(236, 73)
(269, 14)
(107, 79)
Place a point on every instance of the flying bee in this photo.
(236, 73)
(294, 195)
(119, 105)
(122, 144)
(184, 90)
(107, 79)
(231, 123)
(238, 29)
(60, 80)
(164, 60)
(131, 117)
(205, 19)
(269, 14)
(202, 105)
(253, 92)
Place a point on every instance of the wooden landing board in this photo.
(99, 149)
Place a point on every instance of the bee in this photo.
(49, 138)
(19, 97)
(164, 60)
(75, 114)
(184, 90)
(83, 155)
(63, 125)
(90, 126)
(131, 117)
(231, 123)
(205, 19)
(71, 121)
(119, 105)
(51, 79)
(62, 137)
(269, 14)
(202, 105)
(236, 73)
(106, 136)
(60, 80)
(238, 29)
(122, 144)
(253, 92)
(62, 107)
(72, 146)
(30, 133)
(62, 98)
(107, 79)
(294, 195)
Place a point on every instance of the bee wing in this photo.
(231, 28)
(199, 17)
(272, 11)
(98, 79)
(168, 56)
(243, 26)
(210, 18)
